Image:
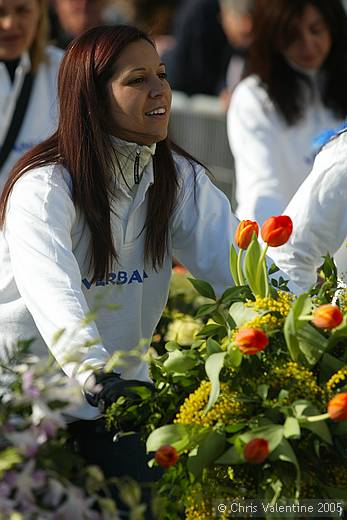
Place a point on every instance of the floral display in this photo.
(41, 478)
(253, 406)
(250, 401)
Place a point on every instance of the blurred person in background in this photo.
(295, 90)
(208, 33)
(70, 18)
(28, 75)
(155, 17)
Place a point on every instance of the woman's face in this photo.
(139, 95)
(311, 44)
(18, 25)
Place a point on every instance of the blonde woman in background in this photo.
(28, 75)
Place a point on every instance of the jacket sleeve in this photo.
(203, 231)
(319, 214)
(254, 137)
(38, 228)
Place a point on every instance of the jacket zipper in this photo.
(136, 167)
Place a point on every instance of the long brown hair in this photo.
(273, 31)
(82, 144)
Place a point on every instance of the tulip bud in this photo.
(276, 230)
(327, 316)
(166, 456)
(244, 233)
(337, 407)
(250, 341)
(256, 451)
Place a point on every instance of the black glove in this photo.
(113, 387)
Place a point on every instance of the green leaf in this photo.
(170, 346)
(242, 314)
(291, 428)
(233, 428)
(203, 288)
(273, 433)
(211, 447)
(303, 409)
(285, 452)
(212, 347)
(179, 361)
(234, 357)
(311, 343)
(211, 329)
(180, 436)
(251, 263)
(340, 429)
(233, 265)
(213, 366)
(292, 324)
(338, 334)
(9, 457)
(236, 294)
(329, 365)
(273, 269)
(329, 268)
(205, 309)
(262, 391)
(233, 455)
(320, 429)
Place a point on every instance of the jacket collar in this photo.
(131, 160)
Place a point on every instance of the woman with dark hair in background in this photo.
(296, 89)
(28, 80)
(94, 215)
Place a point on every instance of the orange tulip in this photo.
(244, 233)
(256, 451)
(166, 456)
(276, 230)
(250, 341)
(337, 407)
(327, 316)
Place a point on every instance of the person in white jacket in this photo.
(319, 214)
(24, 50)
(93, 216)
(295, 90)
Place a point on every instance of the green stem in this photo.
(317, 418)
(261, 266)
(239, 268)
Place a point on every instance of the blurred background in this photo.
(205, 46)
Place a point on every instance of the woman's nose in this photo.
(156, 87)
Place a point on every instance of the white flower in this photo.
(183, 330)
(76, 507)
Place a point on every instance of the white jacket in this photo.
(41, 116)
(271, 158)
(319, 214)
(45, 282)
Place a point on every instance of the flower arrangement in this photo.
(41, 477)
(256, 405)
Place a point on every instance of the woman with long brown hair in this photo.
(295, 90)
(28, 80)
(93, 215)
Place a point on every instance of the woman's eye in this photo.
(317, 29)
(24, 10)
(137, 81)
(162, 75)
